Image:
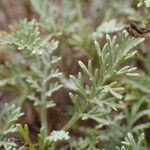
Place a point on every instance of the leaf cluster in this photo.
(8, 117)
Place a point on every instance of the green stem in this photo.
(44, 122)
(75, 117)
(44, 119)
(71, 122)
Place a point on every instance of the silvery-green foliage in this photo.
(54, 18)
(68, 16)
(96, 6)
(100, 97)
(44, 71)
(107, 27)
(114, 9)
(119, 7)
(89, 142)
(140, 83)
(45, 142)
(130, 115)
(26, 37)
(130, 143)
(8, 117)
(135, 114)
(44, 75)
(145, 2)
(16, 71)
(114, 53)
(82, 38)
(8, 144)
(112, 133)
(58, 135)
(14, 76)
(145, 17)
(48, 12)
(34, 48)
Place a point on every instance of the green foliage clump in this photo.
(8, 117)
(108, 91)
